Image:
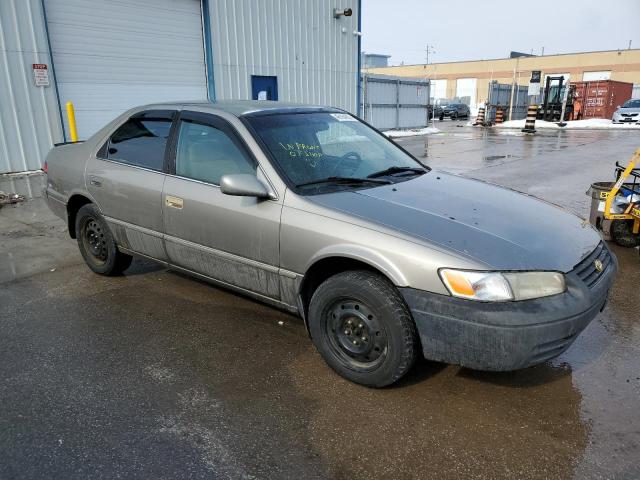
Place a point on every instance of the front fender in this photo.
(365, 255)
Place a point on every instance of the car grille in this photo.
(629, 114)
(586, 269)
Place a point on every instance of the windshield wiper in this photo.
(396, 169)
(344, 181)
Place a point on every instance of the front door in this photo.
(264, 87)
(125, 179)
(231, 239)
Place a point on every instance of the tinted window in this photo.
(140, 142)
(206, 153)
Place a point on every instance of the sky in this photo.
(482, 29)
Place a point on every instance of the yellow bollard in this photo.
(72, 122)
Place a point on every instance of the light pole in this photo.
(514, 87)
(430, 49)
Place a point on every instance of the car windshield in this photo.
(631, 104)
(321, 150)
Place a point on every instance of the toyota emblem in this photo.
(598, 264)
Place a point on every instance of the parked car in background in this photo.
(629, 112)
(455, 111)
(311, 210)
(435, 111)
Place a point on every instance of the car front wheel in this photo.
(96, 243)
(622, 233)
(362, 328)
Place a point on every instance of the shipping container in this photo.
(600, 99)
(500, 96)
(395, 102)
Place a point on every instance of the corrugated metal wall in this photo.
(395, 102)
(300, 42)
(29, 115)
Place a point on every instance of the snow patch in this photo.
(590, 123)
(411, 133)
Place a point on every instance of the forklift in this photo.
(551, 107)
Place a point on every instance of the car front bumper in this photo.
(504, 336)
(618, 118)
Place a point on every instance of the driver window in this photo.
(207, 153)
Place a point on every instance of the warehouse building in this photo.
(374, 60)
(469, 81)
(109, 55)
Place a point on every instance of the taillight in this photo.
(45, 167)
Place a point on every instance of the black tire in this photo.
(96, 243)
(362, 328)
(622, 233)
(454, 117)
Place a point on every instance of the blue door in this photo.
(264, 87)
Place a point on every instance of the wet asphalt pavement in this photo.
(156, 375)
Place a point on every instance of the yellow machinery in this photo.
(625, 224)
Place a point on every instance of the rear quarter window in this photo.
(140, 141)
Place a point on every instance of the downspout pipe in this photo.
(359, 84)
(53, 69)
(208, 50)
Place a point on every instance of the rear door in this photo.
(231, 239)
(126, 179)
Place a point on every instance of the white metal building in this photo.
(109, 55)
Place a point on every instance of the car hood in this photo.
(502, 228)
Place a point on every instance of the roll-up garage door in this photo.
(111, 55)
(466, 91)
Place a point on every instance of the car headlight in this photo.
(502, 286)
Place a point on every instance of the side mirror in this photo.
(243, 185)
(618, 106)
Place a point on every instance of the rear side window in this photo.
(206, 153)
(140, 141)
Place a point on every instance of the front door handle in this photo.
(174, 202)
(95, 182)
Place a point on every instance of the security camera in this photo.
(347, 12)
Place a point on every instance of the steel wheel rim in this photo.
(94, 240)
(356, 336)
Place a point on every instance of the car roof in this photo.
(243, 107)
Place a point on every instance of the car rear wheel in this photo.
(97, 245)
(362, 328)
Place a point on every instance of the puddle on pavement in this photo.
(455, 417)
(491, 158)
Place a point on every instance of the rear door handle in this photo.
(95, 182)
(174, 202)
